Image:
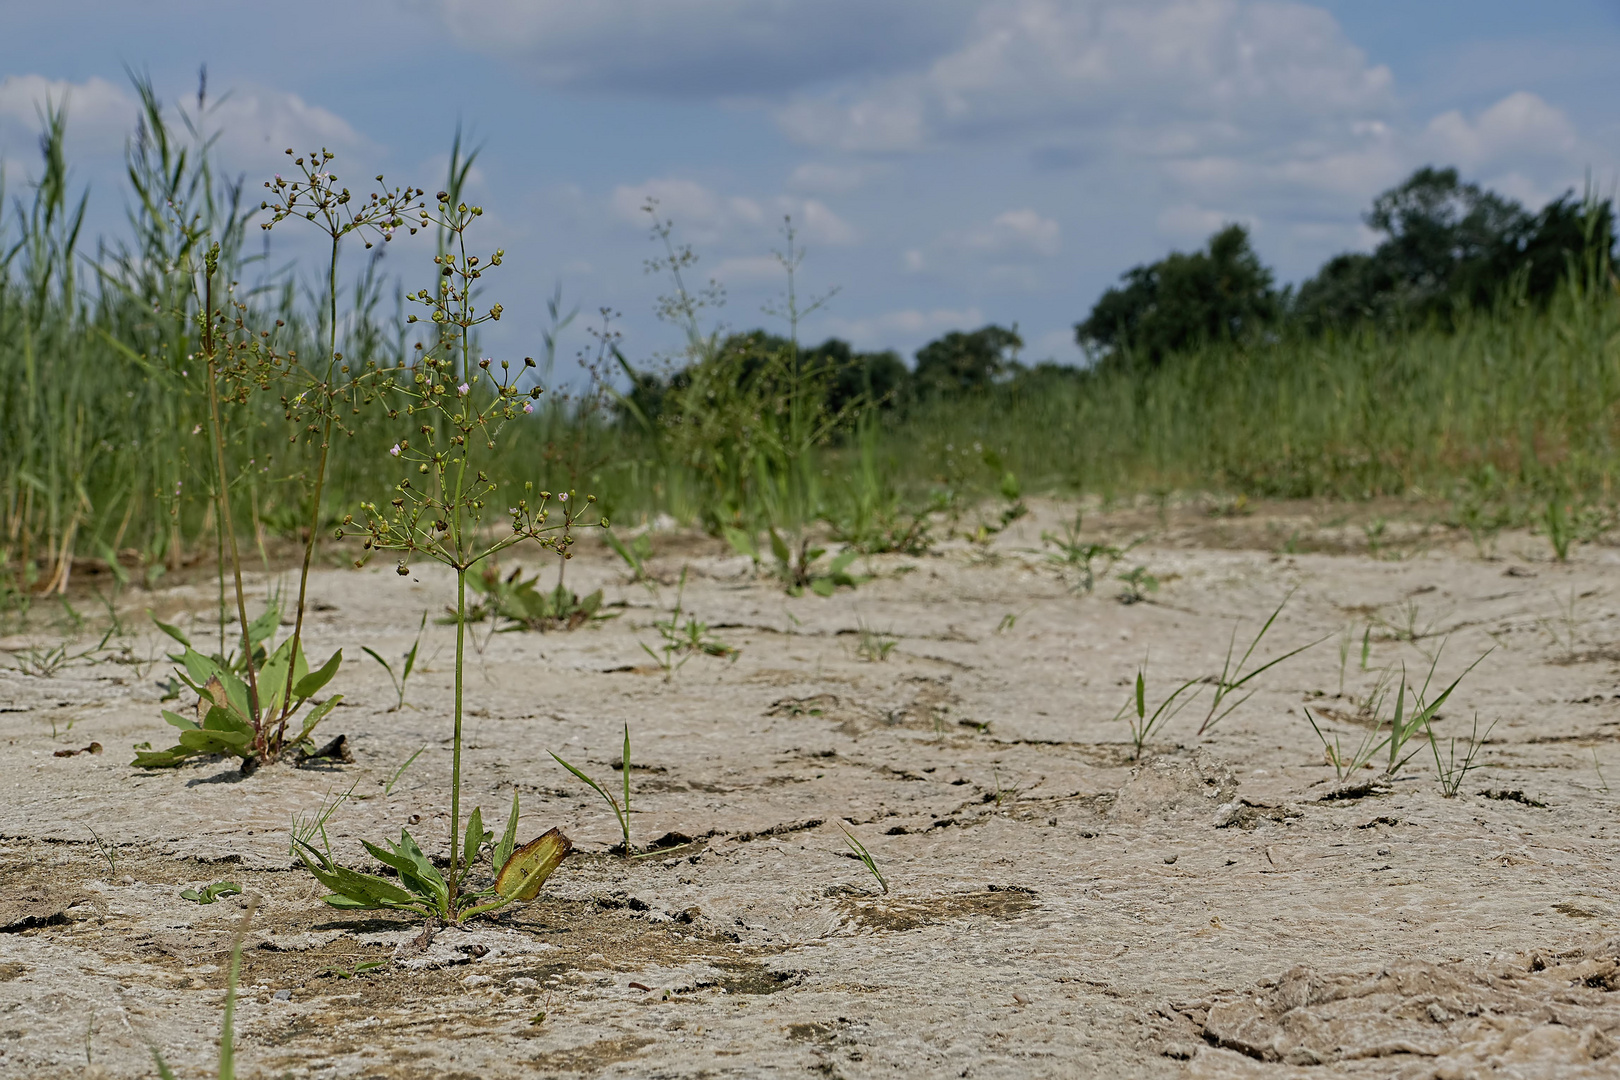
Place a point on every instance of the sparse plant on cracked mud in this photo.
(443, 510)
(1074, 555)
(1138, 583)
(401, 678)
(621, 810)
(684, 635)
(1143, 723)
(1393, 736)
(524, 606)
(860, 852)
(247, 699)
(1232, 677)
(1450, 771)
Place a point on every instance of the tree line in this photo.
(1446, 246)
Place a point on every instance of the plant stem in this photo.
(455, 756)
(320, 484)
(261, 743)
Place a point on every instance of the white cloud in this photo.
(1000, 250)
(1161, 77)
(907, 327)
(257, 124)
(253, 124)
(705, 216)
(704, 47)
(1521, 126)
(821, 178)
(100, 114)
(749, 270)
(1016, 233)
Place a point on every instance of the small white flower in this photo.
(462, 389)
(563, 497)
(395, 450)
(528, 406)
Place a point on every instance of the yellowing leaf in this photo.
(531, 864)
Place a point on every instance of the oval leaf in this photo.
(310, 684)
(531, 864)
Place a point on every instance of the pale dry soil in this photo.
(1054, 907)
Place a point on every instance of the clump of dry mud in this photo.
(1226, 906)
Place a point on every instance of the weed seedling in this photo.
(1403, 727)
(1143, 724)
(1138, 583)
(620, 812)
(1452, 772)
(406, 668)
(874, 646)
(106, 851)
(683, 638)
(1345, 764)
(208, 894)
(1075, 555)
(1232, 677)
(635, 554)
(1560, 533)
(388, 788)
(865, 856)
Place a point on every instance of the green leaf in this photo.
(741, 542)
(199, 667)
(841, 562)
(353, 889)
(823, 586)
(415, 869)
(179, 721)
(209, 894)
(224, 720)
(312, 683)
(369, 651)
(260, 629)
(474, 838)
(316, 715)
(173, 631)
(215, 742)
(160, 759)
(779, 548)
(503, 850)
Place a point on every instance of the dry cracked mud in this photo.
(1224, 907)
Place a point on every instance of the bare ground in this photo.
(1055, 908)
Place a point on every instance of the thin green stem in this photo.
(320, 485)
(260, 741)
(455, 753)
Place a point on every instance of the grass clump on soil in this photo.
(621, 811)
(860, 852)
(1143, 723)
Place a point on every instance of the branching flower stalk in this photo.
(440, 513)
(321, 200)
(210, 347)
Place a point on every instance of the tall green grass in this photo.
(103, 412)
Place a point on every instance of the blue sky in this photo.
(948, 162)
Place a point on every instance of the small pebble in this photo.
(1170, 859)
(283, 995)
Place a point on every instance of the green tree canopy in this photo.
(961, 363)
(1223, 292)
